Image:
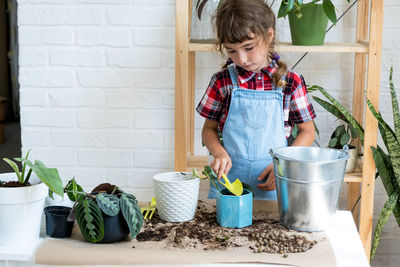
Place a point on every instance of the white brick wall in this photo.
(97, 89)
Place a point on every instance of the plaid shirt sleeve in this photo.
(212, 105)
(301, 109)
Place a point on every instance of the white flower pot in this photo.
(21, 211)
(176, 195)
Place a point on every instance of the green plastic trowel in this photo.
(235, 188)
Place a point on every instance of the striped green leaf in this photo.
(131, 212)
(347, 116)
(381, 121)
(395, 105)
(389, 167)
(383, 217)
(392, 146)
(109, 204)
(385, 171)
(90, 220)
(329, 107)
(383, 134)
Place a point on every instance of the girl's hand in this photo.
(222, 163)
(269, 175)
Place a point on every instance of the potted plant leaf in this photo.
(388, 165)
(345, 133)
(22, 197)
(342, 136)
(105, 215)
(308, 21)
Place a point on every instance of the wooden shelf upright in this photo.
(367, 49)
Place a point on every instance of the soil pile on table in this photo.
(203, 232)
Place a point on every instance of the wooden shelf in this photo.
(355, 177)
(361, 47)
(366, 83)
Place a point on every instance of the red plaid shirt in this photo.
(297, 107)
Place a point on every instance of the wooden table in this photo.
(343, 236)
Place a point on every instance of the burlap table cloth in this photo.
(77, 251)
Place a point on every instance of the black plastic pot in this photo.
(115, 228)
(56, 221)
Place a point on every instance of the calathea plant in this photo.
(105, 198)
(388, 165)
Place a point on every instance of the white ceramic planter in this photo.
(176, 195)
(21, 211)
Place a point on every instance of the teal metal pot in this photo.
(234, 211)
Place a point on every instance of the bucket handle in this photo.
(345, 151)
(273, 155)
(345, 148)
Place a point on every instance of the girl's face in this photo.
(252, 54)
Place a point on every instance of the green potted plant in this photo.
(22, 197)
(345, 133)
(388, 165)
(308, 21)
(342, 136)
(105, 215)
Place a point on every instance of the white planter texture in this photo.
(176, 195)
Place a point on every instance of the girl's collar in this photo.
(245, 76)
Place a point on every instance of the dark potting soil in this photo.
(13, 184)
(203, 232)
(106, 188)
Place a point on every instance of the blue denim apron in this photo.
(254, 125)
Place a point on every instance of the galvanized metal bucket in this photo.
(308, 184)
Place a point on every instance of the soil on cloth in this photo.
(204, 233)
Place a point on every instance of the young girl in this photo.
(255, 101)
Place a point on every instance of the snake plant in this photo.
(388, 165)
(339, 111)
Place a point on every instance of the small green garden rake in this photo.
(149, 210)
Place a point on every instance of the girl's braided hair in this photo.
(237, 20)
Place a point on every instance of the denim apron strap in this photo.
(254, 125)
(233, 76)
